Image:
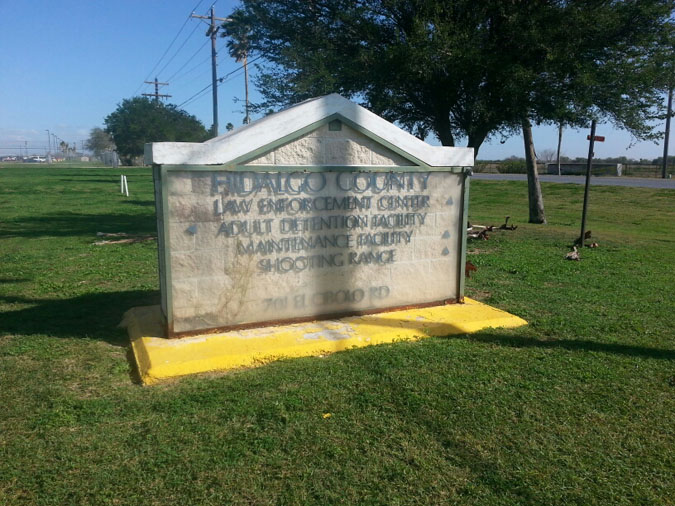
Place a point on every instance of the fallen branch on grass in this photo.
(128, 238)
(481, 231)
(482, 234)
(506, 225)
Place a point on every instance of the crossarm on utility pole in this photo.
(213, 33)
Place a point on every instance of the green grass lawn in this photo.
(576, 408)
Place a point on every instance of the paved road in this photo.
(643, 182)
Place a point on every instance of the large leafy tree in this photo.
(596, 60)
(139, 120)
(466, 69)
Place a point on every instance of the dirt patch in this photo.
(479, 295)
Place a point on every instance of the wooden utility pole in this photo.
(213, 33)
(589, 165)
(156, 94)
(665, 140)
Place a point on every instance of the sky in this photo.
(65, 65)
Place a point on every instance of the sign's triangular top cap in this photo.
(251, 138)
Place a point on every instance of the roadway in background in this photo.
(637, 182)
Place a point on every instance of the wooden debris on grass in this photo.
(482, 234)
(481, 231)
(127, 238)
(506, 225)
(573, 255)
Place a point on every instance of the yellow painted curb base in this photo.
(159, 358)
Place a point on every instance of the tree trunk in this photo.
(475, 141)
(536, 202)
(443, 131)
(667, 134)
(247, 119)
(560, 131)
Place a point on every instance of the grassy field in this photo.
(576, 408)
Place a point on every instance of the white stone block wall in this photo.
(222, 276)
(346, 147)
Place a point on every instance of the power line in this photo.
(190, 59)
(220, 81)
(201, 62)
(231, 75)
(168, 48)
(193, 96)
(178, 50)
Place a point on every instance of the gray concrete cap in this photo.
(268, 130)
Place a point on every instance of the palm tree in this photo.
(237, 29)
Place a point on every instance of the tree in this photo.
(466, 68)
(596, 61)
(99, 141)
(547, 155)
(139, 120)
(665, 63)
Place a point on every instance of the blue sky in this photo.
(65, 65)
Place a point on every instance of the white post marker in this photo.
(126, 186)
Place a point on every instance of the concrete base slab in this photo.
(159, 358)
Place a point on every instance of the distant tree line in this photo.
(582, 159)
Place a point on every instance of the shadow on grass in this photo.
(102, 179)
(516, 341)
(142, 203)
(73, 224)
(102, 174)
(91, 316)
(569, 344)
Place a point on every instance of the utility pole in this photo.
(213, 33)
(156, 93)
(589, 163)
(665, 141)
(49, 147)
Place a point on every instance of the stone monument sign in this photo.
(320, 210)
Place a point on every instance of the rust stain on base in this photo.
(304, 319)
